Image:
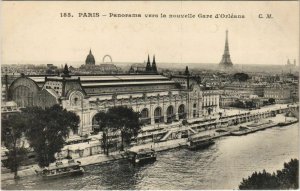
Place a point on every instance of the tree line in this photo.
(287, 178)
(46, 131)
(118, 120)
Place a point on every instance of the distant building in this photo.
(186, 80)
(9, 107)
(281, 94)
(243, 89)
(137, 68)
(109, 68)
(90, 59)
(295, 92)
(51, 69)
(90, 66)
(226, 61)
(227, 101)
(141, 69)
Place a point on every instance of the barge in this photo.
(142, 156)
(60, 169)
(200, 142)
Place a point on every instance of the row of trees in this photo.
(246, 104)
(287, 178)
(118, 120)
(242, 77)
(270, 101)
(47, 129)
(251, 103)
(44, 129)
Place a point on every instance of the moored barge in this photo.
(142, 156)
(60, 169)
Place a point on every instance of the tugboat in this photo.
(142, 156)
(60, 169)
(200, 142)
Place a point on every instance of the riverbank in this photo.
(159, 146)
(208, 169)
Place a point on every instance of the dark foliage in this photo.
(15, 157)
(261, 180)
(12, 130)
(271, 100)
(47, 130)
(246, 104)
(121, 119)
(287, 178)
(242, 77)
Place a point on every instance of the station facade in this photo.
(159, 99)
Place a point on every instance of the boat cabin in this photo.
(62, 169)
(143, 155)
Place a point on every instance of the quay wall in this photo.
(91, 156)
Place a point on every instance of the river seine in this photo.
(221, 166)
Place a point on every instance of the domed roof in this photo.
(90, 60)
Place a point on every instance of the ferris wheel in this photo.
(104, 59)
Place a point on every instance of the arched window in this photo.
(170, 114)
(75, 100)
(158, 117)
(145, 116)
(181, 112)
(157, 112)
(170, 110)
(181, 109)
(145, 113)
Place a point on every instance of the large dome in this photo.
(90, 60)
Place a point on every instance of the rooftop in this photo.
(127, 83)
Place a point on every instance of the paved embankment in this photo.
(160, 146)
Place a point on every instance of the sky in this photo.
(33, 31)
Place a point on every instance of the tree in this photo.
(220, 114)
(250, 104)
(242, 77)
(265, 103)
(261, 180)
(105, 125)
(118, 119)
(127, 121)
(238, 104)
(271, 100)
(12, 131)
(209, 110)
(47, 130)
(287, 178)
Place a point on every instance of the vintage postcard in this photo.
(149, 95)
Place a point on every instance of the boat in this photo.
(60, 169)
(200, 142)
(142, 156)
(246, 130)
(242, 131)
(221, 131)
(287, 123)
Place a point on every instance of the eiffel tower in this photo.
(226, 61)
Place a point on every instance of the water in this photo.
(221, 166)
